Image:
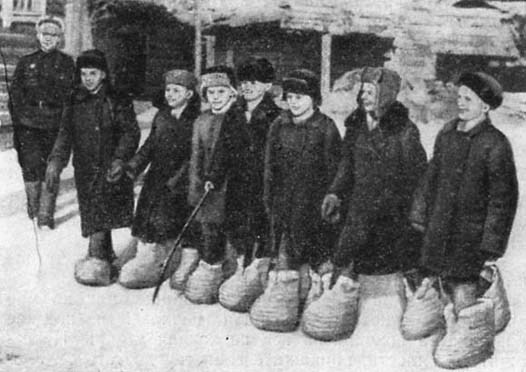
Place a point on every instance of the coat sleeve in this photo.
(425, 188)
(343, 179)
(17, 92)
(332, 149)
(271, 173)
(195, 188)
(502, 203)
(142, 158)
(414, 163)
(62, 147)
(129, 131)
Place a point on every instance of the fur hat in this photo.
(387, 83)
(92, 58)
(485, 86)
(256, 69)
(180, 77)
(217, 76)
(302, 81)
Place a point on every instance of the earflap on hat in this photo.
(483, 85)
(387, 83)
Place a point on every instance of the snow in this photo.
(50, 323)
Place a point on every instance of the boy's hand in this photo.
(116, 171)
(418, 227)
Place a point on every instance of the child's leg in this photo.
(214, 241)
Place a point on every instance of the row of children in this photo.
(293, 214)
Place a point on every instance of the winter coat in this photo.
(42, 83)
(376, 179)
(162, 209)
(220, 145)
(467, 200)
(301, 160)
(99, 129)
(258, 126)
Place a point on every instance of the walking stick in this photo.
(164, 267)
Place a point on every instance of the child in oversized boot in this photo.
(218, 166)
(162, 207)
(241, 290)
(100, 129)
(381, 163)
(303, 150)
(465, 206)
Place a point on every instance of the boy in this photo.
(101, 130)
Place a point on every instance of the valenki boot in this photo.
(203, 284)
(189, 261)
(46, 212)
(97, 269)
(333, 316)
(469, 337)
(423, 314)
(497, 293)
(33, 190)
(144, 270)
(240, 291)
(277, 309)
(317, 285)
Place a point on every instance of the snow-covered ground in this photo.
(49, 323)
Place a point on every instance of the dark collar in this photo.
(477, 129)
(393, 120)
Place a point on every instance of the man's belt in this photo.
(44, 105)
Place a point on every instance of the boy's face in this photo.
(177, 95)
(299, 104)
(48, 36)
(218, 97)
(470, 106)
(368, 97)
(92, 78)
(254, 90)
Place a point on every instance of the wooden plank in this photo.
(210, 50)
(325, 81)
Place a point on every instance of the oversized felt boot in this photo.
(46, 212)
(317, 285)
(97, 268)
(469, 338)
(33, 190)
(188, 263)
(277, 309)
(333, 316)
(497, 293)
(203, 284)
(240, 291)
(423, 314)
(145, 269)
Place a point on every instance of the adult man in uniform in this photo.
(41, 84)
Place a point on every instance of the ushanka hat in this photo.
(483, 85)
(302, 81)
(92, 58)
(180, 77)
(217, 76)
(256, 69)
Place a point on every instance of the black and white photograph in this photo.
(262, 185)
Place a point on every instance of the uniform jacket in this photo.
(301, 160)
(41, 85)
(161, 211)
(467, 199)
(220, 145)
(376, 178)
(99, 129)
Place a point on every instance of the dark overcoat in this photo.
(98, 129)
(301, 161)
(220, 155)
(258, 126)
(162, 209)
(467, 200)
(376, 178)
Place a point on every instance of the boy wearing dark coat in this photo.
(238, 292)
(303, 150)
(465, 206)
(382, 161)
(162, 206)
(219, 164)
(100, 129)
